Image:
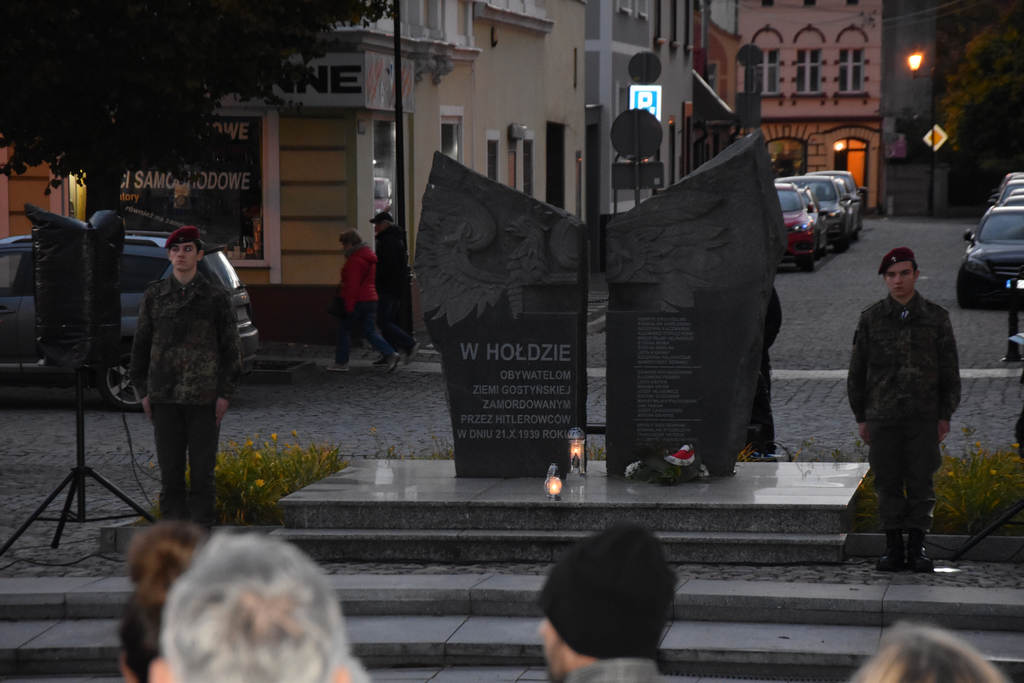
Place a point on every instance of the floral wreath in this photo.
(659, 467)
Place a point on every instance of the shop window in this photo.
(226, 198)
(383, 164)
(851, 70)
(788, 156)
(808, 71)
(851, 154)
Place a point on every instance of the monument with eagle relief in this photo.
(502, 299)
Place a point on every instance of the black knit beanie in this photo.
(610, 594)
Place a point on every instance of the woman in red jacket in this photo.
(359, 292)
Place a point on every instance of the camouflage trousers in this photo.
(904, 457)
(186, 435)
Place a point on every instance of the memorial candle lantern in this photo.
(578, 451)
(553, 484)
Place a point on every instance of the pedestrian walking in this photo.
(903, 386)
(186, 359)
(358, 291)
(392, 284)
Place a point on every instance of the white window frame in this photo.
(769, 70)
(851, 70)
(641, 8)
(624, 6)
(808, 70)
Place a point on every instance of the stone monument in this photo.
(690, 273)
(502, 297)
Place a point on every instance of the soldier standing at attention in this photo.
(903, 386)
(186, 359)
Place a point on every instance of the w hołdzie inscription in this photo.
(501, 297)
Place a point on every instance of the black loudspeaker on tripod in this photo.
(78, 325)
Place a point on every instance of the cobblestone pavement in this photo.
(366, 411)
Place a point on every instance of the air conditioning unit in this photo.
(516, 131)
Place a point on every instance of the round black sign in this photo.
(636, 133)
(644, 67)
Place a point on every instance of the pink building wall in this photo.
(821, 86)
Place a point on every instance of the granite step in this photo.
(778, 650)
(515, 595)
(472, 546)
(308, 510)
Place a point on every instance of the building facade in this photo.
(497, 85)
(616, 31)
(821, 85)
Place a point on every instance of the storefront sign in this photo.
(360, 80)
(225, 199)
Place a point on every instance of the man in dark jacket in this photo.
(392, 283)
(186, 359)
(605, 604)
(903, 386)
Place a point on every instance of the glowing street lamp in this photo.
(914, 61)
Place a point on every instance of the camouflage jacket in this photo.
(186, 347)
(904, 364)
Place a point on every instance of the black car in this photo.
(143, 260)
(995, 254)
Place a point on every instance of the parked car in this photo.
(804, 243)
(1007, 189)
(994, 254)
(854, 199)
(143, 260)
(832, 214)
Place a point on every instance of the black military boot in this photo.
(892, 560)
(916, 557)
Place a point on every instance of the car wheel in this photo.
(965, 298)
(805, 263)
(842, 243)
(115, 385)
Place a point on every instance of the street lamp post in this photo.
(914, 62)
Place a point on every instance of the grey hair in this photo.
(254, 609)
(913, 653)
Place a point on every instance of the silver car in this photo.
(143, 260)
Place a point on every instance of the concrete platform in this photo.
(393, 511)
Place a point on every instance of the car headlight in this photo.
(834, 214)
(976, 266)
(801, 227)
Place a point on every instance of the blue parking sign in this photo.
(646, 97)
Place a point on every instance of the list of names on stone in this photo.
(665, 369)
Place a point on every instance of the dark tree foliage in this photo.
(984, 100)
(95, 87)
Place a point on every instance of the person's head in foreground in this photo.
(253, 609)
(912, 653)
(605, 604)
(156, 557)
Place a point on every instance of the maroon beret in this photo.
(895, 256)
(186, 233)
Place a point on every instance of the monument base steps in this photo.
(418, 511)
(762, 629)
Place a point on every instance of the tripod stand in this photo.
(977, 538)
(76, 480)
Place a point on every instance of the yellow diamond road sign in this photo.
(936, 137)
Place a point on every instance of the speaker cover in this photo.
(77, 282)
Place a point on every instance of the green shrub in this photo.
(253, 476)
(970, 491)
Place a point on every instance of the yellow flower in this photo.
(260, 482)
(248, 443)
(257, 456)
(295, 433)
(993, 472)
(273, 436)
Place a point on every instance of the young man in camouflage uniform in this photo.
(903, 386)
(186, 359)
